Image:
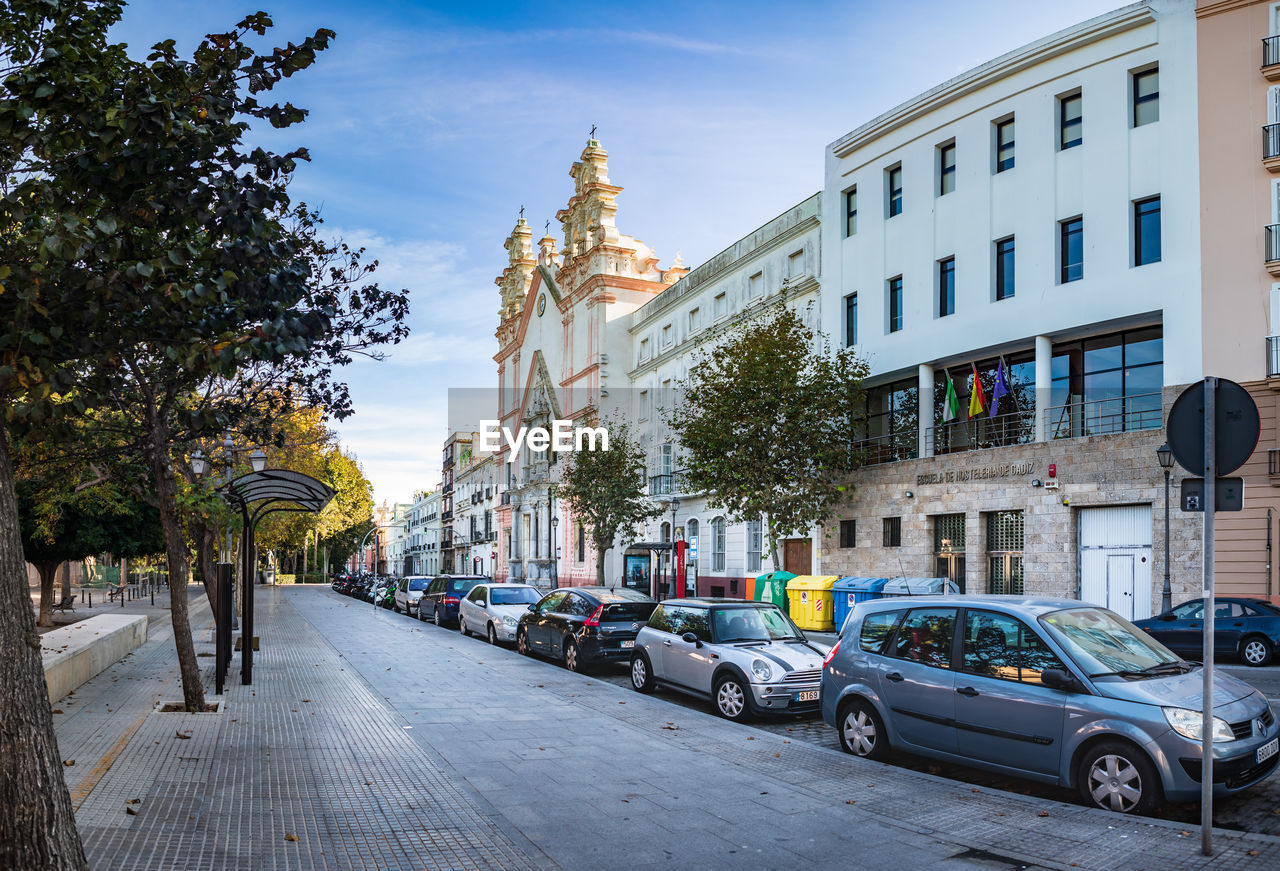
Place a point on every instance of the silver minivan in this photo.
(1055, 690)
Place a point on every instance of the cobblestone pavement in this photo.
(373, 740)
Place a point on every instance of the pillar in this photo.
(1044, 384)
(924, 413)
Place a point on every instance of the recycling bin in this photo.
(811, 602)
(848, 592)
(771, 587)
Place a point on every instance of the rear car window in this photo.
(460, 585)
(619, 612)
(925, 637)
(876, 629)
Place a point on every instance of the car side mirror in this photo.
(1060, 679)
(690, 638)
(533, 607)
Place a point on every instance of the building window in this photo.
(891, 431)
(582, 543)
(1107, 384)
(755, 285)
(848, 533)
(1146, 97)
(666, 336)
(717, 544)
(1004, 552)
(1071, 250)
(1004, 145)
(946, 287)
(1004, 268)
(644, 349)
(946, 168)
(795, 264)
(755, 541)
(851, 320)
(850, 212)
(721, 305)
(1070, 121)
(1146, 231)
(895, 304)
(893, 185)
(949, 547)
(693, 319)
(893, 532)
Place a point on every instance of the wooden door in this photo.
(797, 556)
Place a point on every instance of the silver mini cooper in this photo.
(747, 657)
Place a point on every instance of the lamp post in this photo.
(671, 558)
(555, 553)
(1165, 455)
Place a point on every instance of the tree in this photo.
(61, 522)
(766, 421)
(605, 491)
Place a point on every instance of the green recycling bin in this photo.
(771, 587)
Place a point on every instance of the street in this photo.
(369, 739)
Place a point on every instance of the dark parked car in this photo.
(585, 625)
(1247, 628)
(439, 603)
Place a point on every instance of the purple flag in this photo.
(1001, 388)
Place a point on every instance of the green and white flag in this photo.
(951, 407)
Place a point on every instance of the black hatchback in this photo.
(584, 625)
(439, 602)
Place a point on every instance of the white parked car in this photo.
(493, 610)
(408, 592)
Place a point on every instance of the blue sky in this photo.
(432, 124)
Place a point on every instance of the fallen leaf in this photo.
(68, 762)
(1043, 814)
(975, 789)
(850, 801)
(134, 801)
(749, 738)
(59, 711)
(1251, 852)
(776, 755)
(182, 736)
(306, 700)
(291, 837)
(626, 801)
(1184, 833)
(131, 811)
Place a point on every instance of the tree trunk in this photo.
(48, 574)
(124, 574)
(324, 564)
(38, 828)
(773, 546)
(176, 552)
(306, 540)
(206, 543)
(600, 551)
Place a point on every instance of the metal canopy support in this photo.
(268, 492)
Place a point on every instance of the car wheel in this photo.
(395, 607)
(462, 625)
(1256, 651)
(493, 635)
(641, 673)
(572, 657)
(435, 618)
(731, 699)
(861, 732)
(522, 642)
(1117, 776)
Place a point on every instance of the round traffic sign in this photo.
(1236, 427)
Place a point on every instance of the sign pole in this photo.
(1206, 721)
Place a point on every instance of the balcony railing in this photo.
(1105, 416)
(1270, 51)
(663, 485)
(1273, 356)
(506, 497)
(1270, 141)
(1015, 428)
(892, 447)
(1273, 462)
(1271, 243)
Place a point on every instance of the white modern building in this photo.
(422, 546)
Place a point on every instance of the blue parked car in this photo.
(1054, 690)
(1247, 628)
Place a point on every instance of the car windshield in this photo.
(753, 624)
(1104, 643)
(513, 596)
(418, 583)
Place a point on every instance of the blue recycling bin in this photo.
(850, 591)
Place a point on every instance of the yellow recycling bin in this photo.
(811, 603)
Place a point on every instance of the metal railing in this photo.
(1003, 430)
(1273, 356)
(1271, 243)
(1270, 141)
(1273, 461)
(663, 485)
(1270, 51)
(1141, 411)
(892, 447)
(506, 497)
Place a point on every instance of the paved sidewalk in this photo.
(371, 740)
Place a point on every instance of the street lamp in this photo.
(1165, 455)
(671, 559)
(555, 553)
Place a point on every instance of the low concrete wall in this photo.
(76, 653)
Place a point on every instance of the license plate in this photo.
(1266, 751)
(807, 696)
(627, 645)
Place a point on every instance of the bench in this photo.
(114, 590)
(67, 604)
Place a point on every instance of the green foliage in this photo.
(767, 420)
(68, 526)
(605, 491)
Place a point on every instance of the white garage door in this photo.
(1115, 559)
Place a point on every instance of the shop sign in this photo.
(952, 476)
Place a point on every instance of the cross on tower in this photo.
(522, 213)
(593, 131)
(546, 228)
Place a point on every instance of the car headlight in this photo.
(761, 669)
(509, 620)
(1188, 724)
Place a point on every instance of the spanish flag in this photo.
(977, 401)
